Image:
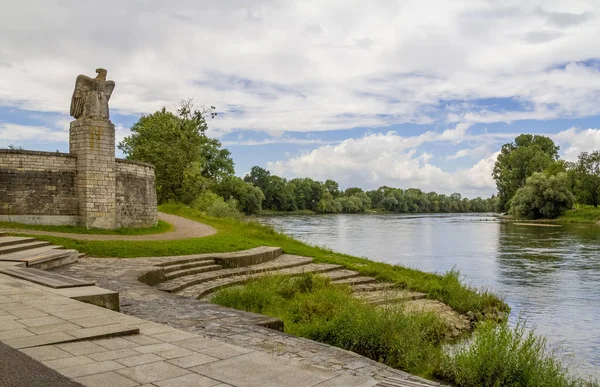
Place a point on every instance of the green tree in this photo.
(248, 196)
(183, 157)
(519, 160)
(542, 196)
(333, 188)
(587, 178)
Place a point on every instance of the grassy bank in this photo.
(158, 229)
(581, 214)
(310, 307)
(235, 235)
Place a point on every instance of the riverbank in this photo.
(585, 215)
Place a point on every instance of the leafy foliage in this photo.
(543, 196)
(186, 161)
(586, 173)
(519, 160)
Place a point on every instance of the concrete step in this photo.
(242, 258)
(342, 274)
(41, 277)
(354, 281)
(23, 246)
(189, 265)
(192, 271)
(282, 262)
(10, 240)
(369, 287)
(204, 289)
(21, 255)
(380, 297)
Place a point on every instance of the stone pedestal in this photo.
(93, 142)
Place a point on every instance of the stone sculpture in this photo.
(90, 97)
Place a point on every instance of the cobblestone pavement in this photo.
(183, 228)
(225, 324)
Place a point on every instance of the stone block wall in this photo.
(135, 194)
(38, 187)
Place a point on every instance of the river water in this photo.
(548, 275)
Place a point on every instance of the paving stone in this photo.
(34, 341)
(112, 355)
(89, 369)
(82, 348)
(142, 340)
(106, 379)
(104, 330)
(41, 330)
(162, 347)
(191, 380)
(241, 371)
(153, 372)
(68, 362)
(197, 343)
(10, 325)
(225, 351)
(140, 359)
(14, 333)
(91, 322)
(11, 306)
(174, 353)
(192, 360)
(116, 343)
(39, 321)
(151, 328)
(348, 381)
(174, 335)
(48, 352)
(28, 313)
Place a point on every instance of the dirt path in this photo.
(183, 228)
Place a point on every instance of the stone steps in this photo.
(204, 289)
(370, 287)
(340, 275)
(380, 297)
(53, 280)
(354, 281)
(283, 261)
(189, 265)
(10, 240)
(13, 248)
(192, 271)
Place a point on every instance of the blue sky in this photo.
(407, 94)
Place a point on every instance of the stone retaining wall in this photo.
(135, 194)
(38, 187)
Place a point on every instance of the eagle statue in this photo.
(90, 97)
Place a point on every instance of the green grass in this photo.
(158, 229)
(582, 214)
(310, 307)
(235, 235)
(499, 355)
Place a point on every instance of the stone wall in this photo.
(38, 187)
(135, 194)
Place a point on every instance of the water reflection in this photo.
(549, 275)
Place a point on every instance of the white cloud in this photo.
(280, 66)
(573, 141)
(387, 159)
(476, 152)
(14, 134)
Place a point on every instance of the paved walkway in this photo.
(183, 228)
(33, 321)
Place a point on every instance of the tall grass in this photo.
(500, 355)
(312, 308)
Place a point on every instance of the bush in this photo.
(542, 197)
(205, 200)
(224, 209)
(499, 355)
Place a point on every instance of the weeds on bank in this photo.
(158, 229)
(582, 214)
(310, 307)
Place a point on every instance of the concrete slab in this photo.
(191, 380)
(153, 372)
(225, 351)
(140, 359)
(192, 360)
(89, 369)
(106, 379)
(241, 371)
(68, 362)
(49, 352)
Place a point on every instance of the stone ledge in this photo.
(144, 164)
(35, 153)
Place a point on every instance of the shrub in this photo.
(499, 355)
(205, 200)
(224, 209)
(542, 197)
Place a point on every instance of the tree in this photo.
(587, 178)
(519, 160)
(542, 196)
(248, 196)
(183, 157)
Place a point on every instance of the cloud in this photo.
(387, 159)
(14, 134)
(476, 152)
(573, 141)
(278, 66)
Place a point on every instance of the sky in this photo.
(401, 93)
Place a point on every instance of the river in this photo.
(548, 275)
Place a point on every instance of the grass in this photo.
(235, 235)
(310, 307)
(582, 214)
(161, 227)
(497, 355)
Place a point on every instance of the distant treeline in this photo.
(326, 197)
